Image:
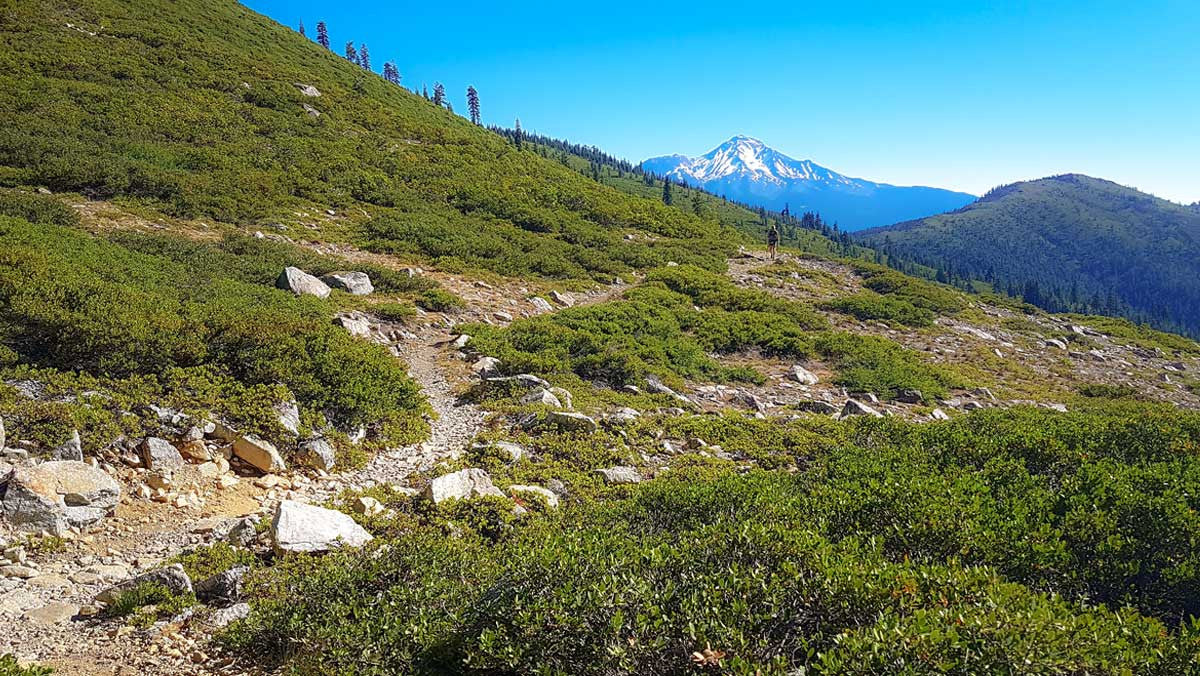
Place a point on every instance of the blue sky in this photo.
(963, 95)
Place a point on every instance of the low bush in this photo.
(440, 300)
(937, 298)
(9, 666)
(869, 305)
(71, 302)
(36, 208)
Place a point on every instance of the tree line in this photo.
(361, 56)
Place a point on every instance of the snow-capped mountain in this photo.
(747, 170)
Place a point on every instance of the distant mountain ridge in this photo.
(1069, 242)
(747, 170)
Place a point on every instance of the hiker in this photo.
(773, 240)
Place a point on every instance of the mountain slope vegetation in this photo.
(199, 109)
(654, 453)
(1068, 243)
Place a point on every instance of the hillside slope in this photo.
(1087, 244)
(199, 109)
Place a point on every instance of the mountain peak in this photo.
(748, 170)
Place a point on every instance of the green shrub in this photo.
(1107, 391)
(73, 302)
(37, 208)
(873, 364)
(869, 305)
(393, 312)
(440, 300)
(728, 564)
(937, 298)
(9, 666)
(206, 561)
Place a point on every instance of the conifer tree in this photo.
(351, 53)
(391, 73)
(439, 94)
(322, 34)
(666, 195)
(517, 134)
(302, 28)
(425, 92)
(364, 58)
(473, 104)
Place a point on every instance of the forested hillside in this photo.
(1068, 243)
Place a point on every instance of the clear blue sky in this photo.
(956, 94)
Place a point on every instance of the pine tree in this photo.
(391, 73)
(364, 58)
(302, 28)
(322, 34)
(439, 94)
(425, 92)
(666, 195)
(473, 104)
(518, 134)
(351, 52)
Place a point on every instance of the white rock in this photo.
(803, 375)
(308, 90)
(58, 495)
(71, 449)
(461, 485)
(259, 453)
(300, 282)
(160, 454)
(356, 323)
(620, 475)
(854, 407)
(317, 453)
(288, 414)
(541, 304)
(486, 367)
(298, 527)
(939, 414)
(355, 283)
(543, 397)
(563, 299)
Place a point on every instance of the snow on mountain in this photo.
(748, 170)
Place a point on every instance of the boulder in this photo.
(227, 616)
(486, 367)
(59, 494)
(541, 304)
(159, 454)
(854, 407)
(288, 415)
(71, 449)
(524, 380)
(172, 577)
(2, 439)
(547, 494)
(620, 475)
(563, 299)
(939, 414)
(259, 453)
(1055, 342)
(300, 282)
(194, 449)
(461, 485)
(355, 283)
(803, 375)
(564, 395)
(356, 323)
(222, 589)
(624, 415)
(653, 384)
(910, 396)
(572, 422)
(298, 527)
(543, 397)
(317, 453)
(307, 89)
